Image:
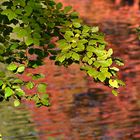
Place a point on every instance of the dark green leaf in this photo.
(59, 5)
(67, 9)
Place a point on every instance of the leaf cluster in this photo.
(27, 28)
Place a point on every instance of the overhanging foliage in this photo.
(28, 26)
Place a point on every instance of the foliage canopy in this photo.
(28, 26)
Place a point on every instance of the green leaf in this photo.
(45, 96)
(18, 11)
(61, 58)
(59, 5)
(82, 41)
(8, 92)
(90, 61)
(119, 62)
(37, 35)
(85, 59)
(77, 35)
(85, 29)
(16, 103)
(29, 41)
(68, 55)
(79, 48)
(90, 49)
(113, 83)
(92, 42)
(76, 56)
(2, 74)
(16, 29)
(76, 24)
(62, 43)
(121, 82)
(17, 81)
(95, 29)
(22, 3)
(38, 76)
(69, 33)
(9, 13)
(99, 52)
(105, 63)
(105, 72)
(20, 92)
(67, 9)
(28, 9)
(22, 33)
(74, 14)
(36, 41)
(115, 92)
(1, 82)
(110, 52)
(42, 88)
(45, 102)
(21, 68)
(101, 77)
(12, 67)
(89, 54)
(74, 44)
(92, 72)
(97, 64)
(14, 46)
(114, 68)
(103, 69)
(30, 85)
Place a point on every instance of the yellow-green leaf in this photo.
(113, 83)
(16, 103)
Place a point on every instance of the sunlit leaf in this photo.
(76, 56)
(8, 92)
(95, 29)
(76, 24)
(101, 77)
(21, 68)
(16, 103)
(12, 67)
(30, 85)
(113, 83)
(115, 92)
(29, 41)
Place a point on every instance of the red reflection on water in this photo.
(81, 109)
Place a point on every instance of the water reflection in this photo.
(16, 123)
(82, 110)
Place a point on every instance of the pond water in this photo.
(81, 109)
